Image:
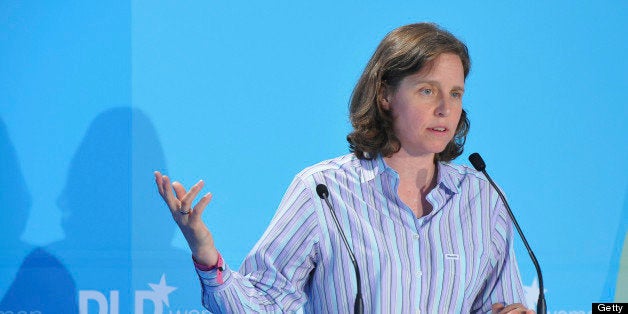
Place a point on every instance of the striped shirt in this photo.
(459, 258)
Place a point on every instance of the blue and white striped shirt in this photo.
(459, 258)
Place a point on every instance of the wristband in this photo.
(220, 267)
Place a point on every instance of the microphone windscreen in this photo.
(477, 162)
(322, 191)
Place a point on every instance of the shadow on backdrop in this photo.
(158, 266)
(19, 274)
(118, 233)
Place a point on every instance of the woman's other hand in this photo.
(188, 217)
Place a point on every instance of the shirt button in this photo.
(419, 273)
(416, 236)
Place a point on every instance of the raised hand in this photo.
(188, 217)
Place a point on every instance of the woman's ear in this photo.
(384, 97)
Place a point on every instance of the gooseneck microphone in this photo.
(323, 193)
(479, 165)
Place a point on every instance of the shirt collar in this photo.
(447, 175)
(448, 178)
(372, 168)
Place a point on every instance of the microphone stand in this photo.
(358, 307)
(479, 165)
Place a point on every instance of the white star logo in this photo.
(162, 289)
(532, 293)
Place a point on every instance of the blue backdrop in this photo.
(95, 96)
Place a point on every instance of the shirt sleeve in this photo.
(273, 276)
(503, 284)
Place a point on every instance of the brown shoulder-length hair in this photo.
(403, 52)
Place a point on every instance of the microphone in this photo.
(323, 193)
(479, 165)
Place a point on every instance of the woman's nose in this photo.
(444, 107)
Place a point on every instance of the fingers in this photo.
(158, 179)
(172, 202)
(179, 190)
(202, 203)
(180, 199)
(188, 198)
(163, 185)
(165, 189)
(499, 308)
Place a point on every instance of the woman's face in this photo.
(426, 106)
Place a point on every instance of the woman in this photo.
(428, 236)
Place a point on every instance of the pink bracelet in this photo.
(219, 266)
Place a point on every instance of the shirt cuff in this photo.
(204, 267)
(213, 276)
